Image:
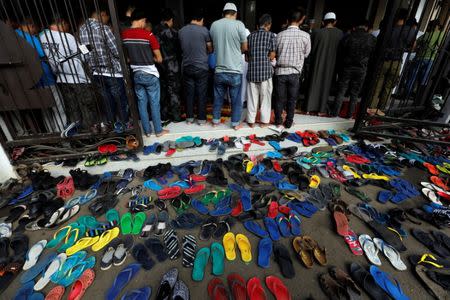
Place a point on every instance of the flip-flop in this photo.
(141, 255)
(264, 252)
(342, 226)
(387, 235)
(272, 228)
(244, 247)
(199, 207)
(217, 290)
(157, 248)
(237, 286)
(256, 229)
(25, 291)
(112, 216)
(75, 233)
(52, 268)
(37, 268)
(255, 290)
(295, 223)
(143, 293)
(189, 247)
(207, 228)
(389, 284)
(391, 254)
(365, 280)
(217, 258)
(68, 266)
(33, 254)
(171, 243)
(82, 244)
(126, 223)
(229, 244)
(436, 289)
(59, 236)
(426, 239)
(278, 288)
(200, 262)
(138, 223)
(121, 280)
(352, 241)
(282, 257)
(370, 249)
(283, 225)
(106, 238)
(80, 286)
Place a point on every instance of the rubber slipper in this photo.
(244, 247)
(33, 254)
(237, 286)
(126, 223)
(365, 280)
(370, 249)
(342, 278)
(138, 223)
(200, 262)
(82, 244)
(229, 244)
(431, 195)
(264, 252)
(255, 289)
(341, 221)
(223, 227)
(272, 228)
(25, 291)
(295, 223)
(189, 247)
(207, 228)
(80, 286)
(303, 252)
(283, 225)
(278, 288)
(77, 231)
(59, 236)
(161, 225)
(391, 254)
(256, 229)
(157, 248)
(427, 240)
(171, 243)
(52, 268)
(389, 284)
(105, 238)
(352, 241)
(68, 266)
(56, 293)
(217, 258)
(37, 268)
(442, 238)
(436, 289)
(141, 255)
(282, 257)
(121, 280)
(217, 290)
(112, 216)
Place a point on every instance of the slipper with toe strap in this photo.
(391, 254)
(389, 284)
(278, 288)
(200, 262)
(33, 254)
(265, 249)
(370, 249)
(121, 280)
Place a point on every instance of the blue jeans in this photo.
(224, 82)
(147, 91)
(112, 90)
(195, 86)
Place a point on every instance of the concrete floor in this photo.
(304, 285)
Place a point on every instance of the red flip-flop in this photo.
(170, 152)
(217, 290)
(357, 159)
(277, 288)
(284, 209)
(56, 293)
(237, 210)
(194, 189)
(237, 286)
(431, 168)
(170, 192)
(438, 181)
(341, 223)
(197, 178)
(247, 147)
(255, 140)
(81, 285)
(352, 241)
(273, 210)
(276, 166)
(255, 290)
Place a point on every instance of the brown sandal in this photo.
(303, 252)
(131, 142)
(346, 281)
(331, 288)
(319, 253)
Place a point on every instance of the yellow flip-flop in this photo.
(229, 244)
(375, 176)
(81, 244)
(248, 165)
(314, 182)
(443, 169)
(351, 170)
(105, 238)
(245, 247)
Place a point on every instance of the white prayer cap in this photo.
(329, 16)
(230, 6)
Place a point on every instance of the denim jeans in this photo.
(224, 82)
(288, 88)
(112, 90)
(195, 86)
(147, 91)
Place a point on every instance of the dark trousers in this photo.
(113, 92)
(352, 80)
(195, 87)
(288, 87)
(170, 90)
(79, 103)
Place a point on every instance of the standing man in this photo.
(65, 60)
(356, 50)
(261, 52)
(195, 44)
(293, 46)
(325, 43)
(104, 62)
(230, 41)
(170, 68)
(143, 51)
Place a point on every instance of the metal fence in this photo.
(61, 63)
(407, 83)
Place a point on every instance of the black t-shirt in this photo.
(401, 38)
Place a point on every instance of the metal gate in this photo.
(408, 79)
(62, 64)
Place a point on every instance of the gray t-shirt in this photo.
(193, 39)
(227, 36)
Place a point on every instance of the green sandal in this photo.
(360, 195)
(90, 161)
(138, 223)
(101, 160)
(112, 216)
(126, 223)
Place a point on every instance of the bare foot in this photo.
(263, 125)
(215, 124)
(251, 125)
(163, 132)
(379, 113)
(237, 127)
(188, 122)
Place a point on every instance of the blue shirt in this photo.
(47, 78)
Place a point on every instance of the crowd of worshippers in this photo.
(260, 68)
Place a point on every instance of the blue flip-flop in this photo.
(152, 185)
(272, 228)
(36, 296)
(220, 211)
(285, 186)
(295, 221)
(199, 206)
(274, 154)
(25, 291)
(384, 196)
(294, 138)
(143, 293)
(181, 183)
(399, 198)
(265, 248)
(388, 283)
(257, 169)
(275, 145)
(68, 265)
(246, 200)
(254, 228)
(121, 280)
(270, 176)
(283, 225)
(37, 268)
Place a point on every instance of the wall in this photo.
(6, 169)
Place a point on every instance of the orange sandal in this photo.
(81, 285)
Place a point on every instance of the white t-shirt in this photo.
(58, 46)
